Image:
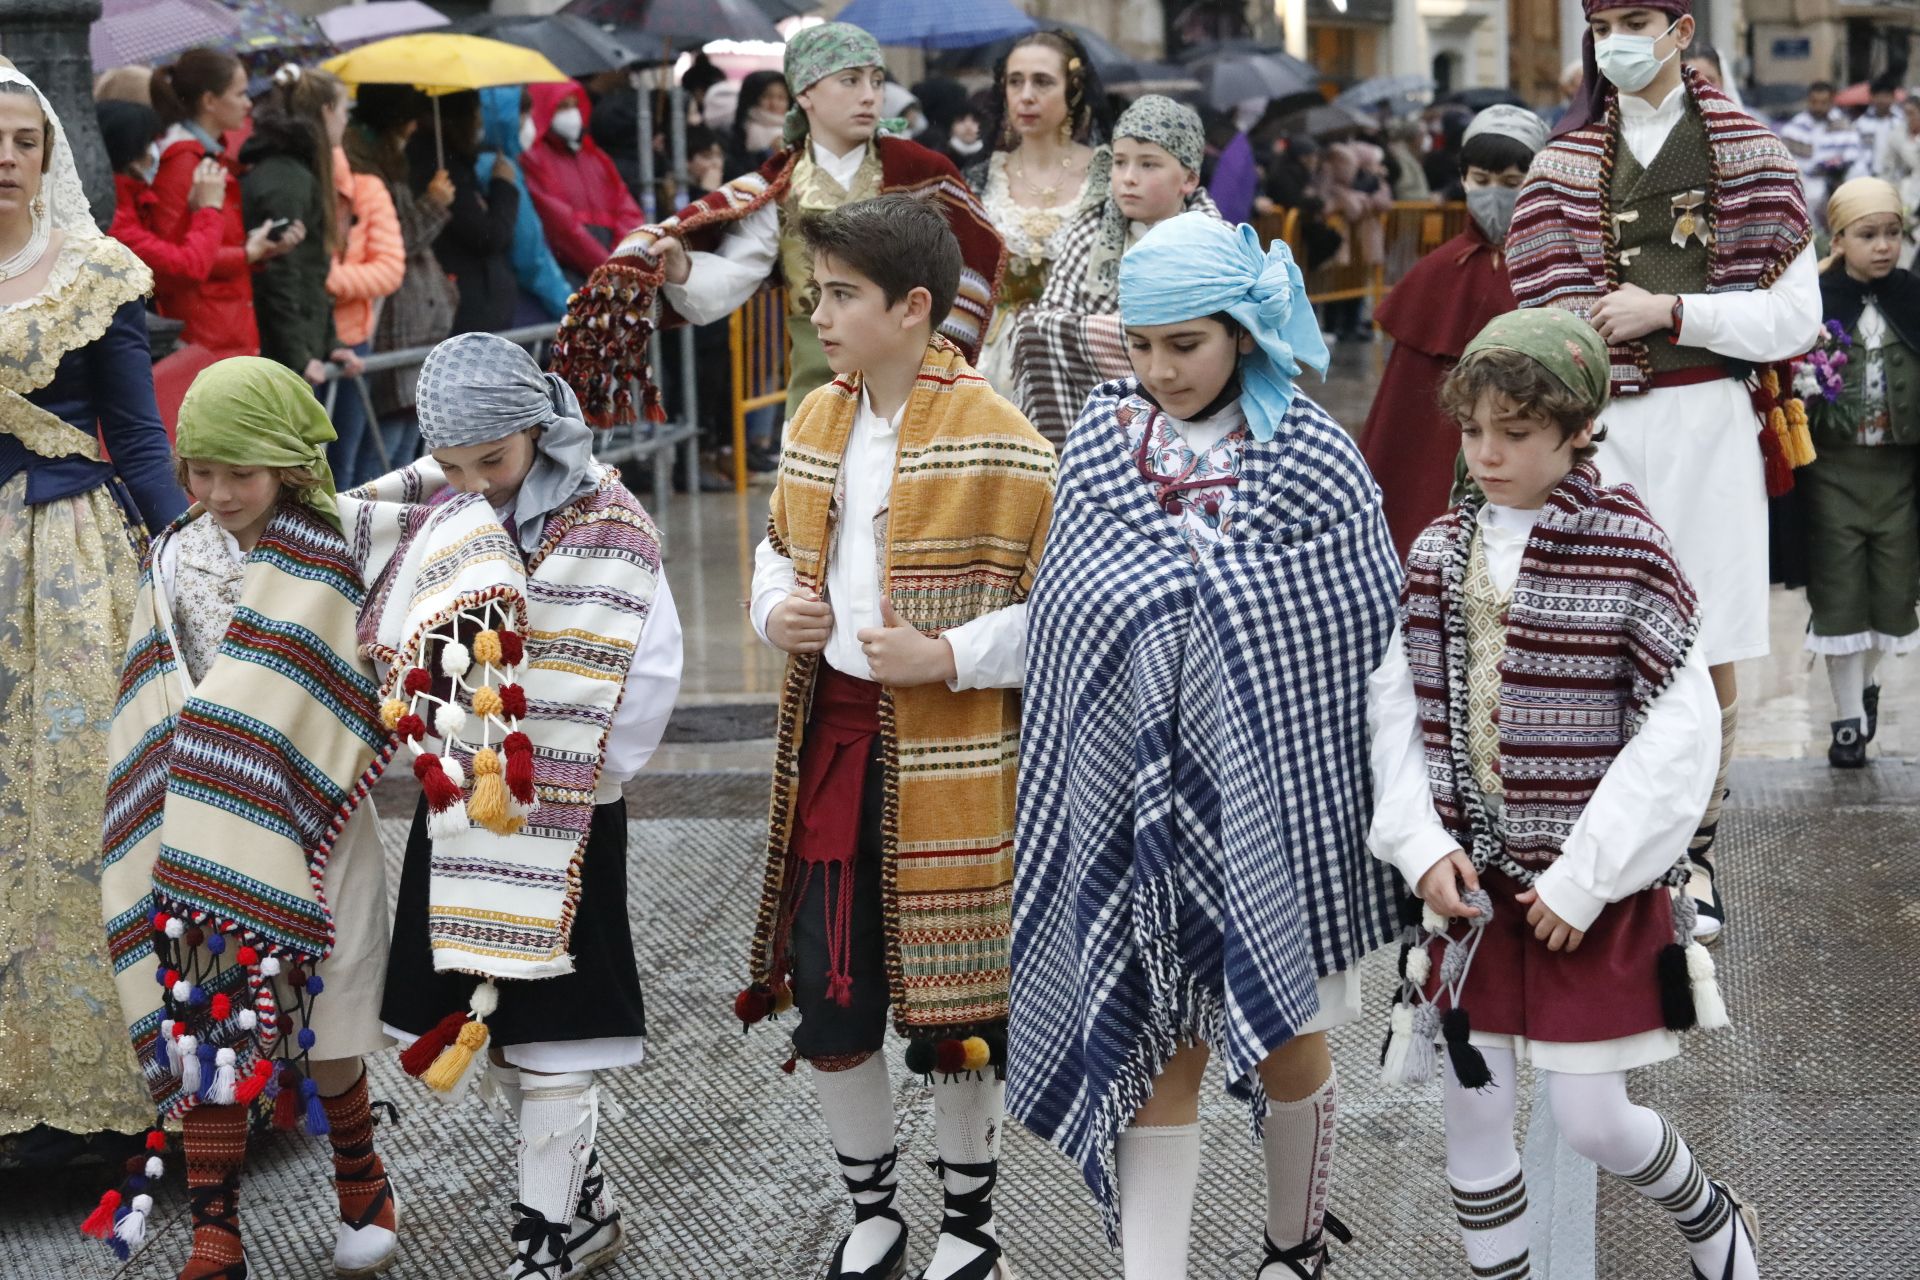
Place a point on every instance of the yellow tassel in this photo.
(492, 806)
(451, 1066)
(1771, 380)
(486, 649)
(486, 701)
(390, 712)
(1800, 450)
(978, 1053)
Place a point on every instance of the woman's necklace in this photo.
(28, 255)
(1048, 195)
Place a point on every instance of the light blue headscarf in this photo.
(1194, 265)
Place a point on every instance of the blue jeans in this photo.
(353, 456)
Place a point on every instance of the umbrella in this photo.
(148, 32)
(937, 24)
(1111, 64)
(576, 46)
(681, 23)
(353, 24)
(1232, 76)
(1396, 93)
(441, 62)
(1327, 120)
(778, 9)
(1857, 95)
(1482, 98)
(270, 33)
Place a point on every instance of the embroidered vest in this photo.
(1650, 206)
(813, 190)
(1486, 614)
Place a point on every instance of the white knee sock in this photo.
(1297, 1141)
(1637, 1144)
(1158, 1168)
(967, 1115)
(858, 1108)
(1847, 675)
(1483, 1168)
(1870, 666)
(1703, 838)
(558, 1115)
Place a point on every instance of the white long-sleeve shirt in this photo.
(1760, 325)
(1641, 816)
(988, 653)
(719, 283)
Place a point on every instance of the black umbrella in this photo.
(574, 45)
(681, 23)
(1329, 120)
(1481, 99)
(778, 9)
(1399, 94)
(1228, 77)
(1111, 64)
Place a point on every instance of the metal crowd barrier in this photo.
(757, 337)
(638, 441)
(1408, 231)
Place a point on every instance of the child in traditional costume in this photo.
(1864, 534)
(906, 527)
(1410, 442)
(245, 886)
(1674, 222)
(1193, 875)
(1544, 735)
(525, 623)
(715, 254)
(1070, 341)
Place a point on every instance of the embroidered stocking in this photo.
(967, 1116)
(215, 1141)
(359, 1178)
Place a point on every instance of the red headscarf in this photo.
(1590, 99)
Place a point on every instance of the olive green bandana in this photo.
(251, 412)
(1563, 343)
(815, 53)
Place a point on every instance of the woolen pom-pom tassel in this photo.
(316, 1113)
(512, 648)
(518, 748)
(455, 661)
(189, 1064)
(286, 1108)
(449, 823)
(753, 1004)
(1422, 1049)
(441, 791)
(1393, 1054)
(223, 1089)
(1676, 989)
(99, 1223)
(250, 1088)
(513, 701)
(1419, 966)
(1469, 1065)
(131, 1230)
(979, 1055)
(490, 806)
(451, 1067)
(418, 1056)
(449, 718)
(486, 648)
(486, 701)
(1709, 1009)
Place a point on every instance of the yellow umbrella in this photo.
(439, 62)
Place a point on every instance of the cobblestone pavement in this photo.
(1808, 1106)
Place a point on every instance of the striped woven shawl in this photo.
(222, 808)
(1600, 620)
(503, 906)
(968, 512)
(1560, 246)
(1193, 788)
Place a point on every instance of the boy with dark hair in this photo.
(1544, 734)
(1825, 145)
(905, 532)
(1433, 313)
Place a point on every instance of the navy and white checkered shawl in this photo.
(1194, 789)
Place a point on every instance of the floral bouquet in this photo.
(1818, 376)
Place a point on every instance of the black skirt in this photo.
(600, 998)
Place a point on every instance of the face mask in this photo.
(147, 168)
(1492, 210)
(566, 123)
(1628, 61)
(526, 133)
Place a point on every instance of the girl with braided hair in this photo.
(1048, 166)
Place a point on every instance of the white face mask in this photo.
(150, 165)
(566, 123)
(526, 133)
(1628, 61)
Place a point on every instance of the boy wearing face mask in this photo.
(583, 205)
(1433, 313)
(1675, 224)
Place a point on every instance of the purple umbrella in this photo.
(681, 23)
(938, 24)
(148, 32)
(353, 24)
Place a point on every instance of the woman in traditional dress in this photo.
(1049, 168)
(74, 370)
(1193, 878)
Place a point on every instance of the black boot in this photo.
(1870, 699)
(1849, 749)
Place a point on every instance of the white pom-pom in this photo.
(176, 927)
(220, 1092)
(182, 990)
(270, 966)
(189, 1064)
(1419, 966)
(1709, 1009)
(455, 774)
(486, 998)
(1393, 1068)
(449, 720)
(132, 1227)
(155, 1169)
(449, 822)
(246, 1019)
(454, 659)
(1432, 921)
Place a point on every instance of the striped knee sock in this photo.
(215, 1142)
(1672, 1179)
(359, 1178)
(1493, 1224)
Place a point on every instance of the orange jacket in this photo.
(374, 260)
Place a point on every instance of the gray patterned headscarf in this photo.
(476, 388)
(1175, 128)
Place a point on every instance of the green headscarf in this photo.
(1567, 346)
(252, 412)
(813, 54)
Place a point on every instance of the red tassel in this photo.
(99, 1223)
(419, 1055)
(519, 749)
(250, 1088)
(419, 680)
(790, 1064)
(753, 1004)
(512, 650)
(656, 412)
(286, 1108)
(441, 793)
(156, 1140)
